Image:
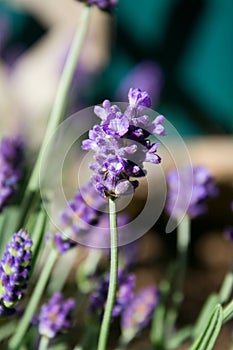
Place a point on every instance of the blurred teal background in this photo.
(190, 44)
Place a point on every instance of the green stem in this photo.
(24, 323)
(38, 236)
(158, 324)
(57, 112)
(62, 93)
(7, 330)
(105, 326)
(44, 342)
(226, 288)
(183, 240)
(228, 312)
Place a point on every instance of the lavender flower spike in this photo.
(14, 271)
(138, 312)
(203, 188)
(126, 283)
(11, 157)
(55, 316)
(121, 146)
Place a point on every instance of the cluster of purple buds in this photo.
(55, 316)
(11, 157)
(189, 190)
(125, 288)
(82, 211)
(60, 242)
(102, 4)
(121, 144)
(138, 312)
(14, 271)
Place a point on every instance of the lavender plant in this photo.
(125, 288)
(14, 271)
(138, 313)
(122, 144)
(11, 158)
(54, 318)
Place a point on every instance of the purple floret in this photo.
(14, 270)
(11, 158)
(55, 316)
(181, 191)
(125, 283)
(139, 311)
(120, 144)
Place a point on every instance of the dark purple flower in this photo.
(139, 311)
(14, 270)
(125, 287)
(121, 144)
(190, 185)
(129, 254)
(228, 233)
(82, 211)
(11, 157)
(55, 316)
(102, 4)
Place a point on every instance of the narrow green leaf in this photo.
(157, 328)
(181, 336)
(7, 226)
(37, 234)
(205, 314)
(62, 271)
(210, 333)
(156, 334)
(86, 269)
(226, 289)
(7, 330)
(228, 312)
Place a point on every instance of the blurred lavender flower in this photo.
(14, 271)
(99, 235)
(60, 242)
(121, 144)
(125, 283)
(203, 188)
(146, 74)
(55, 316)
(83, 210)
(11, 157)
(102, 4)
(138, 313)
(228, 232)
(129, 254)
